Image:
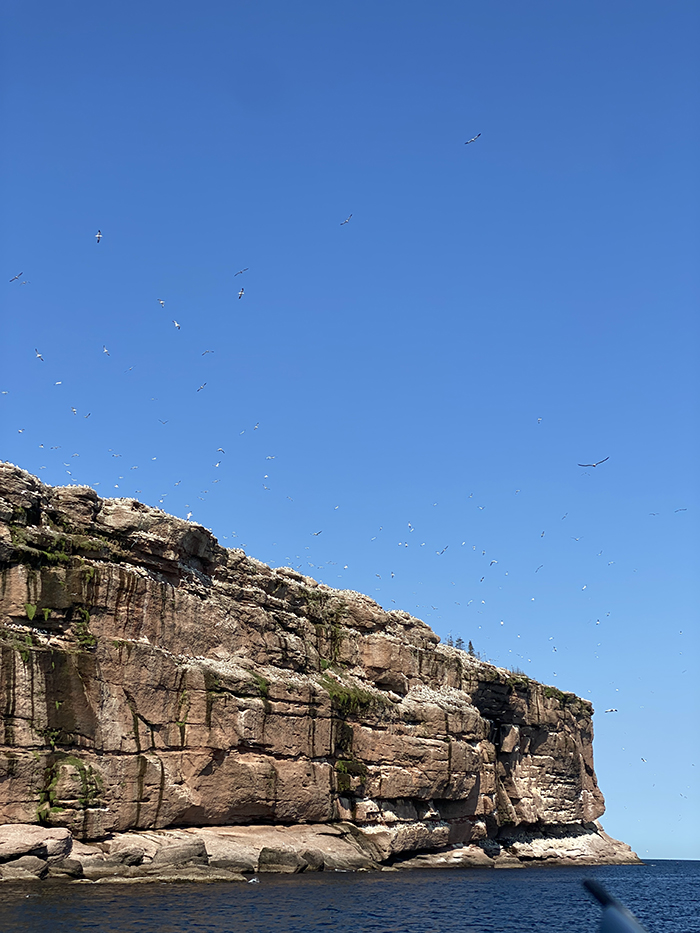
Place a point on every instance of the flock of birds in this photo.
(411, 529)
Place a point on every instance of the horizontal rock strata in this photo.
(151, 679)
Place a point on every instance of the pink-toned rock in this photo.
(150, 678)
(19, 839)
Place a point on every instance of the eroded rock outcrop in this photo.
(150, 678)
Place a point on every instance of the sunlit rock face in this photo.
(151, 678)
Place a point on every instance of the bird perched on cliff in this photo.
(15, 277)
(473, 140)
(594, 464)
(98, 235)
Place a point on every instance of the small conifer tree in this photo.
(459, 643)
(449, 641)
(470, 648)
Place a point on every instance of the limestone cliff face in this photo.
(150, 678)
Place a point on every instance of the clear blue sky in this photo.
(398, 366)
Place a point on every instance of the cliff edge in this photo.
(152, 680)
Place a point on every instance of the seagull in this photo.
(74, 411)
(255, 427)
(25, 283)
(540, 567)
(443, 550)
(594, 464)
(38, 355)
(680, 510)
(610, 710)
(473, 139)
(241, 271)
(220, 450)
(105, 350)
(241, 293)
(201, 387)
(177, 326)
(15, 277)
(317, 533)
(493, 562)
(346, 221)
(86, 416)
(160, 302)
(207, 351)
(98, 235)
(163, 422)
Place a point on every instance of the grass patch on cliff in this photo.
(345, 770)
(346, 700)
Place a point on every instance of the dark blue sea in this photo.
(664, 895)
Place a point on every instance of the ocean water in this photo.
(664, 895)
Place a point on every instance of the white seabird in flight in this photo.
(98, 235)
(473, 139)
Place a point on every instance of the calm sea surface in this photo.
(664, 895)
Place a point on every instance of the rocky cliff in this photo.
(150, 678)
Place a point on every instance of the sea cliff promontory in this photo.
(161, 694)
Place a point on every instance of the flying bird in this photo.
(38, 355)
(241, 271)
(220, 450)
(473, 139)
(540, 567)
(201, 387)
(98, 235)
(207, 351)
(105, 350)
(15, 277)
(346, 221)
(160, 302)
(594, 464)
(241, 294)
(177, 326)
(317, 533)
(610, 710)
(680, 510)
(443, 550)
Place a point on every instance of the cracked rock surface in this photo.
(154, 681)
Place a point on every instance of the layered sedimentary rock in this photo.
(150, 678)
